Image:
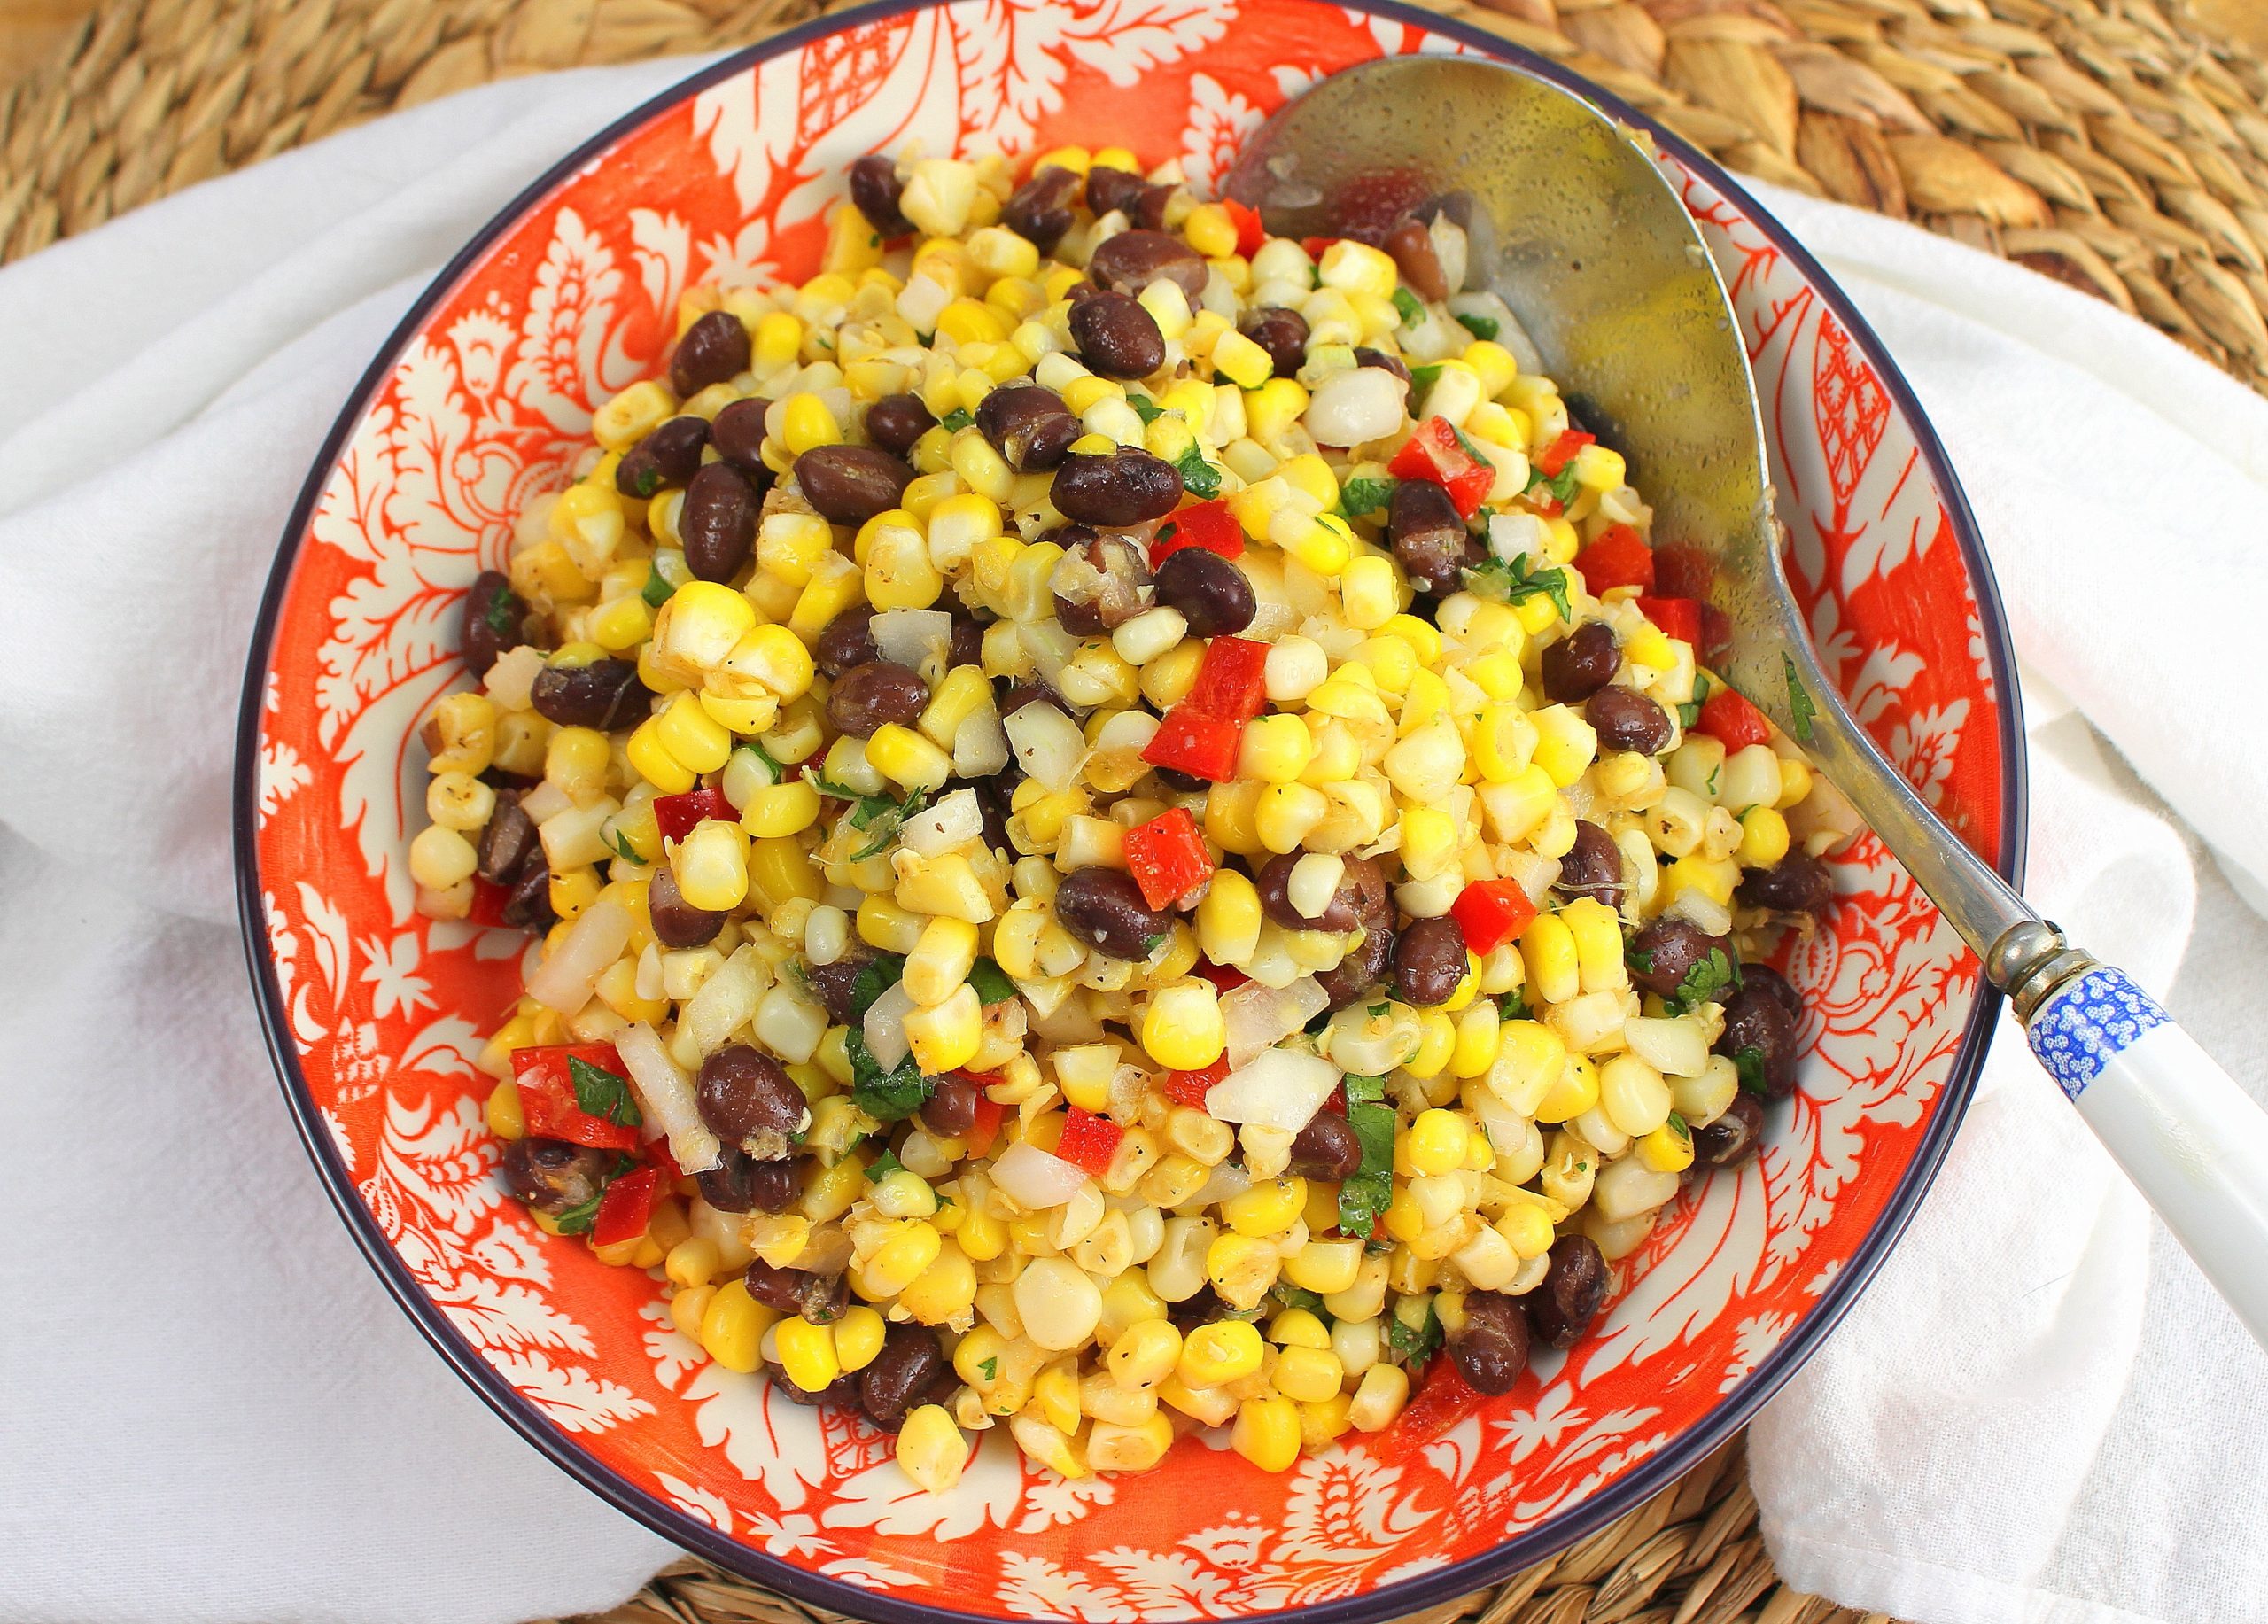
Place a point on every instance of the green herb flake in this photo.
(1465, 444)
(992, 982)
(887, 813)
(577, 1219)
(1749, 1061)
(1361, 1088)
(1513, 1005)
(1483, 327)
(1148, 410)
(600, 1093)
(774, 767)
(621, 844)
(1683, 1134)
(883, 1166)
(1363, 1199)
(1703, 981)
(1358, 497)
(886, 1096)
(1198, 477)
(1421, 379)
(991, 1368)
(1800, 708)
(1291, 1296)
(954, 421)
(1411, 307)
(1561, 485)
(1516, 583)
(1420, 1343)
(658, 590)
(876, 978)
(504, 610)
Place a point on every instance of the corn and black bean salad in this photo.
(1125, 830)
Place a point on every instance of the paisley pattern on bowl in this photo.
(481, 401)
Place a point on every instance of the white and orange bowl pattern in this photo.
(481, 399)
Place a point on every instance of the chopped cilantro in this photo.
(1366, 1197)
(992, 982)
(1151, 944)
(954, 421)
(1148, 410)
(886, 1096)
(600, 1093)
(621, 844)
(1518, 583)
(1412, 308)
(1381, 1009)
(1561, 485)
(1198, 477)
(1513, 1007)
(876, 978)
(1465, 443)
(579, 1218)
(1703, 981)
(1321, 1019)
(658, 589)
(1419, 1344)
(1749, 1061)
(1678, 1130)
(1712, 780)
(883, 1166)
(1360, 1088)
(1800, 701)
(1358, 497)
(1688, 714)
(774, 767)
(1478, 326)
(890, 814)
(1642, 962)
(1421, 378)
(1292, 1296)
(991, 1368)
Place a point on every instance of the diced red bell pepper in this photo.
(626, 1207)
(657, 1152)
(1250, 232)
(1619, 557)
(674, 815)
(1493, 912)
(1315, 246)
(1207, 525)
(1089, 1141)
(1190, 1088)
(1553, 459)
(488, 902)
(1716, 631)
(1166, 857)
(1732, 721)
(548, 1102)
(1683, 572)
(1225, 977)
(1446, 1399)
(1434, 452)
(1678, 616)
(1231, 679)
(985, 1127)
(1190, 742)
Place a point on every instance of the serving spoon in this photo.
(1571, 223)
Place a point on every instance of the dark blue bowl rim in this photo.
(1642, 1482)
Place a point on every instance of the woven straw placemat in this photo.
(2108, 143)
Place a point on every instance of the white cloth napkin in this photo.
(212, 1411)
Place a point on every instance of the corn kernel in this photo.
(1267, 1432)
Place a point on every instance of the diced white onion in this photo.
(1449, 251)
(1226, 1180)
(1360, 404)
(885, 1027)
(1036, 1180)
(725, 1001)
(666, 1095)
(545, 802)
(1050, 645)
(647, 983)
(594, 941)
(1711, 916)
(913, 638)
(1673, 1047)
(953, 821)
(1279, 1088)
(1628, 1186)
(1512, 534)
(980, 745)
(1048, 744)
(1258, 1017)
(508, 680)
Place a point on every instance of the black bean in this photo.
(1663, 954)
(1116, 489)
(1351, 979)
(506, 841)
(874, 193)
(1028, 424)
(866, 696)
(950, 1109)
(1624, 719)
(1213, 594)
(1103, 909)
(738, 435)
(551, 1175)
(714, 350)
(1411, 244)
(1562, 1308)
(840, 1393)
(819, 1298)
(1109, 189)
(895, 422)
(1116, 336)
(494, 618)
(1429, 961)
(1185, 783)
(677, 922)
(1592, 866)
(1327, 1149)
(1365, 356)
(849, 485)
(1343, 912)
(847, 641)
(1040, 211)
(836, 984)
(718, 523)
(1798, 883)
(1282, 333)
(1759, 1036)
(967, 645)
(1100, 583)
(1202, 1307)
(669, 455)
(744, 1096)
(1490, 1346)
(1581, 664)
(1769, 980)
(1024, 694)
(528, 907)
(1734, 1137)
(899, 1375)
(1430, 539)
(740, 1183)
(605, 694)
(1132, 260)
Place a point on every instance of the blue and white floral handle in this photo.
(2193, 1142)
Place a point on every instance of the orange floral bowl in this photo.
(481, 399)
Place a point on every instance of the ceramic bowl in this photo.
(480, 401)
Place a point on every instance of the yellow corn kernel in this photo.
(776, 810)
(1795, 783)
(858, 1338)
(506, 1118)
(1763, 837)
(1270, 1208)
(906, 756)
(1285, 814)
(732, 1324)
(1241, 361)
(573, 891)
(778, 338)
(1298, 1328)
(1267, 1432)
(806, 423)
(1182, 1028)
(1526, 1228)
(655, 763)
(1320, 542)
(1493, 364)
(1275, 749)
(1324, 1266)
(1219, 1353)
(710, 865)
(1384, 1389)
(946, 1037)
(1477, 1041)
(1144, 1354)
(807, 1353)
(940, 1291)
(781, 869)
(1369, 592)
(692, 735)
(631, 416)
(1231, 817)
(1713, 877)
(981, 1236)
(940, 961)
(1596, 931)
(930, 1449)
(1437, 1141)
(1547, 951)
(981, 467)
(1668, 1148)
(1242, 1268)
(1228, 919)
(1572, 1092)
(1565, 743)
(692, 1261)
(1598, 469)
(1311, 1375)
